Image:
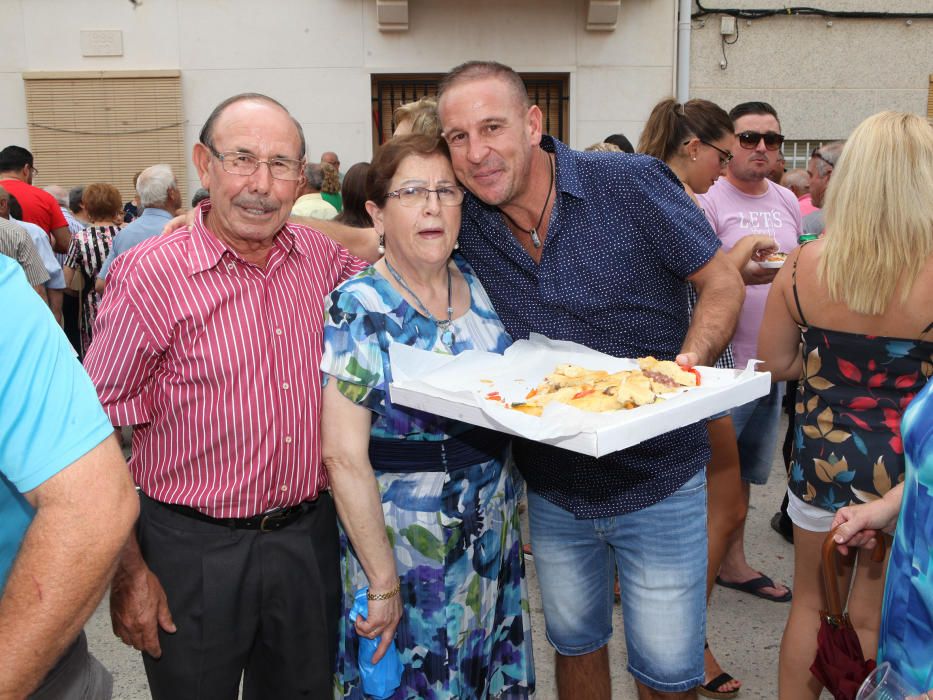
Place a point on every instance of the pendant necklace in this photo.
(447, 333)
(533, 232)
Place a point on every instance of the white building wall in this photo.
(823, 75)
(317, 56)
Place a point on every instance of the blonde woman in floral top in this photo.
(90, 247)
(849, 314)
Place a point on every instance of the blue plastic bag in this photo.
(379, 680)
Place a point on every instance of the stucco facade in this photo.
(317, 56)
(824, 75)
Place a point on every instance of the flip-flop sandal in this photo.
(754, 587)
(709, 690)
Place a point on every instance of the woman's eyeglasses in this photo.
(418, 196)
(751, 139)
(724, 156)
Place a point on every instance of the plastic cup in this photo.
(884, 683)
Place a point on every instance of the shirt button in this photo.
(284, 385)
(278, 331)
(288, 439)
(284, 487)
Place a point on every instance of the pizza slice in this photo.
(667, 376)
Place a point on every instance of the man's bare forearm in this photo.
(362, 242)
(715, 316)
(61, 239)
(64, 565)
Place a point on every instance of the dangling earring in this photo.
(382, 244)
(456, 245)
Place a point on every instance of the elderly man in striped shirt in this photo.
(209, 341)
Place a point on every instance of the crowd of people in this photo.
(246, 343)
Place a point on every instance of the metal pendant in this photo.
(447, 338)
(535, 240)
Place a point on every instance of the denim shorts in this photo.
(757, 424)
(660, 552)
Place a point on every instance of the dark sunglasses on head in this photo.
(816, 154)
(751, 139)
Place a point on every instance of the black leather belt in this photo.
(264, 522)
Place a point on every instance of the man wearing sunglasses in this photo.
(743, 202)
(820, 169)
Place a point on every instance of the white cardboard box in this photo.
(456, 387)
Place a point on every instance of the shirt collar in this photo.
(568, 177)
(155, 212)
(205, 250)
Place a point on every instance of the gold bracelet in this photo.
(388, 594)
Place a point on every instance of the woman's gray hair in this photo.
(314, 174)
(154, 183)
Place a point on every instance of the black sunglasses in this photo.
(751, 139)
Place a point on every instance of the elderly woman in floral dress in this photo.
(428, 505)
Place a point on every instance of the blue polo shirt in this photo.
(148, 224)
(49, 412)
(622, 238)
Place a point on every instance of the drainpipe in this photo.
(685, 8)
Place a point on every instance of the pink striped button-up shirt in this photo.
(217, 362)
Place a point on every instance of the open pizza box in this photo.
(457, 387)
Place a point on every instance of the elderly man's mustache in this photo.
(263, 203)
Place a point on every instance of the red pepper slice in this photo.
(585, 392)
(493, 396)
(694, 372)
(533, 392)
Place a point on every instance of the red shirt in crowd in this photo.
(39, 207)
(217, 361)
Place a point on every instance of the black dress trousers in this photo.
(261, 606)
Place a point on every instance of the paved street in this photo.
(745, 631)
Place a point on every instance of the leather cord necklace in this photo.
(447, 333)
(533, 232)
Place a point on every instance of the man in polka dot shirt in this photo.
(597, 248)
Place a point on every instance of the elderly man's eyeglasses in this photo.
(751, 139)
(724, 156)
(237, 163)
(816, 154)
(418, 196)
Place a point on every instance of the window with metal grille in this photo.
(548, 91)
(106, 126)
(797, 153)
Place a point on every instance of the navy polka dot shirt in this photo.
(622, 237)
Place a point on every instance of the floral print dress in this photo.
(465, 630)
(907, 616)
(847, 427)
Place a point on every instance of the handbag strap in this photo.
(831, 581)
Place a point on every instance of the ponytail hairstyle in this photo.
(672, 124)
